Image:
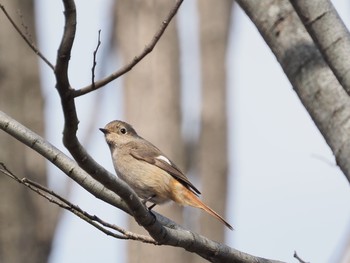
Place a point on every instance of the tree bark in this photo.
(318, 89)
(329, 34)
(152, 100)
(27, 222)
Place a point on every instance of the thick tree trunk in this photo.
(27, 222)
(317, 87)
(152, 100)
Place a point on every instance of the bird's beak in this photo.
(105, 131)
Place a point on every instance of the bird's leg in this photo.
(144, 201)
(151, 206)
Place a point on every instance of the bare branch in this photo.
(70, 140)
(60, 160)
(26, 39)
(166, 233)
(148, 49)
(25, 27)
(65, 204)
(65, 48)
(329, 34)
(172, 234)
(94, 63)
(318, 89)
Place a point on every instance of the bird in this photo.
(149, 172)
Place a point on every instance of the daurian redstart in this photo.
(148, 171)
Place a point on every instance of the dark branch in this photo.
(94, 62)
(70, 139)
(298, 258)
(25, 27)
(65, 48)
(148, 49)
(26, 39)
(71, 142)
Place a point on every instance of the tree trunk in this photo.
(213, 161)
(320, 92)
(152, 100)
(27, 222)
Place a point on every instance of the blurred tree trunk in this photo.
(212, 166)
(152, 100)
(27, 221)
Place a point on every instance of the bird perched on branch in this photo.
(148, 171)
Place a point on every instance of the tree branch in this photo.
(298, 258)
(320, 92)
(172, 234)
(70, 140)
(60, 160)
(329, 34)
(148, 49)
(94, 62)
(65, 204)
(26, 39)
(105, 185)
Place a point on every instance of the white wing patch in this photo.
(163, 158)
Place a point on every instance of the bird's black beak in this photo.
(105, 131)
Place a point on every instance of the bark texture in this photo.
(329, 34)
(318, 89)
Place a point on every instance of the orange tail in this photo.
(189, 198)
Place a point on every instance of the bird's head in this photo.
(118, 133)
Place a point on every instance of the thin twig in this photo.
(324, 160)
(25, 27)
(94, 63)
(298, 258)
(26, 39)
(148, 49)
(77, 209)
(62, 202)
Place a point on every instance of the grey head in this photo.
(118, 133)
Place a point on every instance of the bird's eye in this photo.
(123, 130)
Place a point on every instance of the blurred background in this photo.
(211, 95)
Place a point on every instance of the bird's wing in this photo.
(149, 153)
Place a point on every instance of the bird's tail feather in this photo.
(192, 200)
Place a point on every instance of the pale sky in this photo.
(286, 193)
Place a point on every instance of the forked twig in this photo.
(148, 49)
